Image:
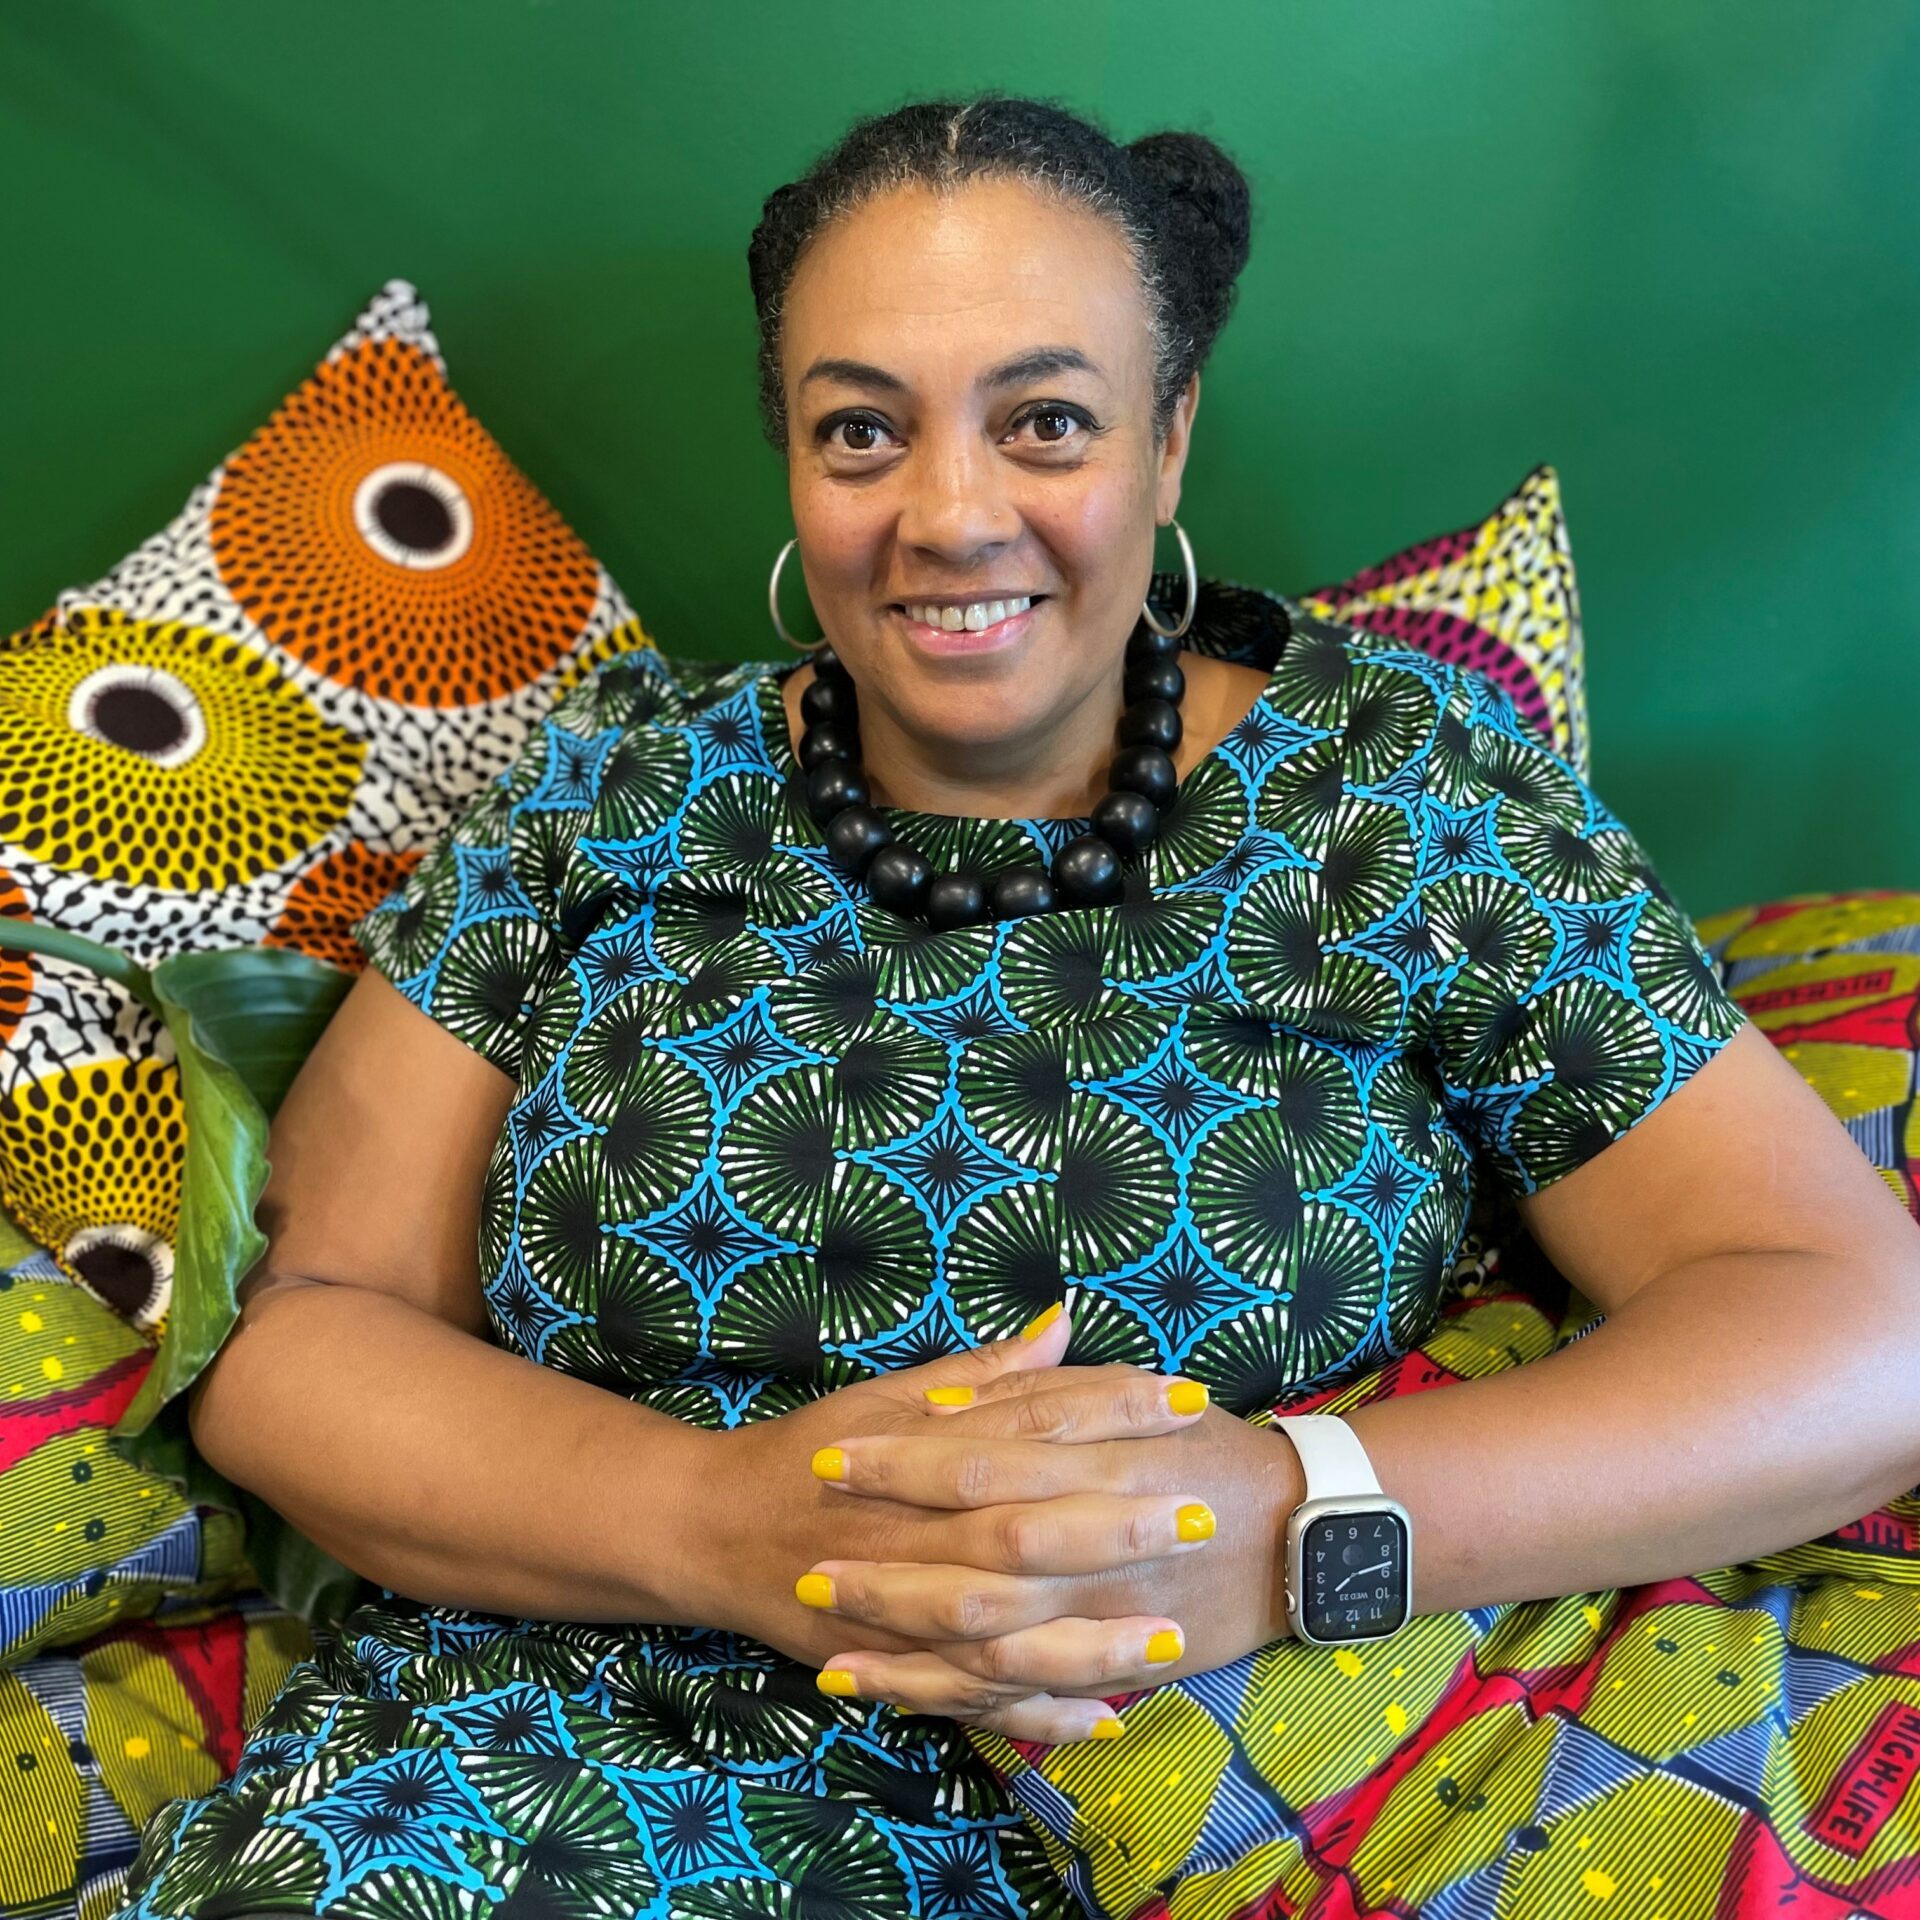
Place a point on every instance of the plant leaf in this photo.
(242, 1021)
(257, 1009)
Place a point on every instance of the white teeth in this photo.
(972, 619)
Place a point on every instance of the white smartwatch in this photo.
(1349, 1551)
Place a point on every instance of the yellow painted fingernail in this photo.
(950, 1396)
(838, 1682)
(1187, 1396)
(830, 1463)
(813, 1590)
(1109, 1729)
(1168, 1644)
(1041, 1322)
(1195, 1522)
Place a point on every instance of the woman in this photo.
(792, 1042)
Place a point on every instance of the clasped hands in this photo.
(1007, 1539)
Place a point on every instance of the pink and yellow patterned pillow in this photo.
(1498, 596)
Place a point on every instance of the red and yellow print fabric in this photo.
(1498, 596)
(93, 1739)
(1833, 980)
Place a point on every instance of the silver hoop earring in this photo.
(773, 603)
(1193, 590)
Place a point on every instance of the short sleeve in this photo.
(475, 931)
(1570, 994)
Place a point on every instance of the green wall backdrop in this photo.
(1673, 249)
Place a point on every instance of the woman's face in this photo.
(970, 404)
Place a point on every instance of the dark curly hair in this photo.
(1178, 201)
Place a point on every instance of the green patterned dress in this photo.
(768, 1140)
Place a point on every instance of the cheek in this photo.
(1101, 538)
(839, 534)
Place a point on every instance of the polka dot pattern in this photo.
(93, 1170)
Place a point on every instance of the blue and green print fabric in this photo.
(768, 1140)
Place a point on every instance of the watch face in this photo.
(1353, 1568)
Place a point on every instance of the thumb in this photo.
(1042, 1342)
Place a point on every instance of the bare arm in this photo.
(1755, 1384)
(360, 1396)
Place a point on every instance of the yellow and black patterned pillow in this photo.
(247, 734)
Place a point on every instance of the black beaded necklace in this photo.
(1086, 872)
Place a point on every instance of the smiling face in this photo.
(969, 382)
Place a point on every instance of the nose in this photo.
(955, 507)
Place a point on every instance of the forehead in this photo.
(924, 281)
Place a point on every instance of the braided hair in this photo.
(1179, 202)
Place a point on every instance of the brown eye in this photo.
(1052, 424)
(861, 435)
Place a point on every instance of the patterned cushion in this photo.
(247, 733)
(1498, 596)
(87, 1539)
(1833, 980)
(94, 1738)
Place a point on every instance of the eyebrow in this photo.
(1035, 364)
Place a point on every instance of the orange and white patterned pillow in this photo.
(248, 733)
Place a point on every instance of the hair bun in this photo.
(1212, 210)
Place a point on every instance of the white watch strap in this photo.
(1330, 1452)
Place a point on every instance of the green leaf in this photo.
(242, 1021)
(258, 1009)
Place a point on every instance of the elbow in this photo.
(223, 1400)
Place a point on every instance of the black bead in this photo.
(854, 836)
(957, 900)
(899, 878)
(1087, 872)
(827, 664)
(833, 786)
(1151, 723)
(1021, 891)
(828, 741)
(1144, 644)
(1145, 770)
(1128, 820)
(830, 699)
(1155, 680)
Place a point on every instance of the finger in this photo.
(1043, 1721)
(1078, 1533)
(923, 1683)
(915, 1601)
(1075, 1656)
(1016, 1381)
(1040, 1344)
(1119, 1403)
(919, 1682)
(936, 1470)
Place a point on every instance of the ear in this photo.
(1173, 453)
